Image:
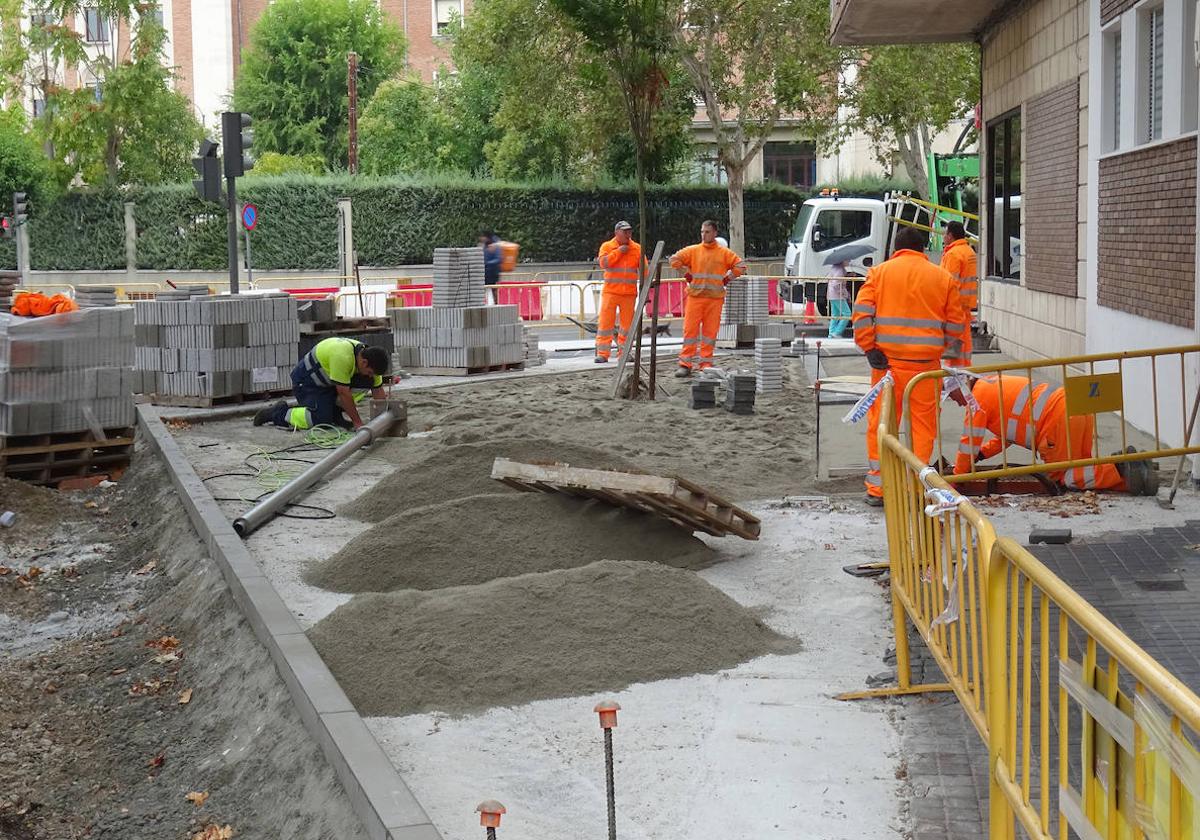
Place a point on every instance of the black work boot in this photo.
(265, 415)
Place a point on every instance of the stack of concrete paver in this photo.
(746, 314)
(768, 365)
(66, 373)
(197, 347)
(534, 355)
(8, 282)
(460, 333)
(458, 277)
(94, 297)
(740, 393)
(703, 394)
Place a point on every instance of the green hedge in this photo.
(395, 222)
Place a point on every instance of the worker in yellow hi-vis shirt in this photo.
(322, 382)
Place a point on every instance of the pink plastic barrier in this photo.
(529, 300)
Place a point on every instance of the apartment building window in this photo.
(41, 18)
(39, 107)
(1152, 128)
(794, 164)
(1004, 244)
(95, 26)
(444, 12)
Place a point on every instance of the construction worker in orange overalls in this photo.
(1036, 418)
(620, 258)
(708, 267)
(958, 257)
(906, 316)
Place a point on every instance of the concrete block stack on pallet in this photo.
(66, 373)
(95, 297)
(534, 355)
(768, 365)
(201, 348)
(746, 318)
(459, 334)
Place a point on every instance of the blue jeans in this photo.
(839, 317)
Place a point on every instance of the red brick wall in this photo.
(1051, 191)
(1110, 9)
(181, 45)
(1147, 229)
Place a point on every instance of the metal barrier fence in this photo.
(1137, 388)
(1088, 735)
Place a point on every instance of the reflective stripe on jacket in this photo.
(707, 263)
(620, 270)
(908, 308)
(989, 430)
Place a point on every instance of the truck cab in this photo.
(829, 222)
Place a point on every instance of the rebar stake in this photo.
(608, 720)
(489, 816)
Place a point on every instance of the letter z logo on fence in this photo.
(1094, 393)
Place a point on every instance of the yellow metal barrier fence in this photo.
(1088, 735)
(1104, 386)
(1091, 736)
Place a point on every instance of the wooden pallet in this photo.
(176, 401)
(686, 504)
(464, 371)
(342, 326)
(50, 458)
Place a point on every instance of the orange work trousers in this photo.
(701, 320)
(924, 409)
(1052, 436)
(614, 309)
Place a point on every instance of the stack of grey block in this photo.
(9, 280)
(746, 302)
(94, 297)
(66, 373)
(534, 355)
(460, 330)
(768, 365)
(457, 337)
(703, 394)
(458, 277)
(740, 392)
(192, 345)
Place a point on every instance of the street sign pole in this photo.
(249, 263)
(231, 202)
(249, 217)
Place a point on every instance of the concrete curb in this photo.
(387, 808)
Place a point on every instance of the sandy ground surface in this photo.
(128, 680)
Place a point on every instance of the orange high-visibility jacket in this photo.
(620, 270)
(908, 308)
(36, 304)
(708, 262)
(989, 430)
(960, 260)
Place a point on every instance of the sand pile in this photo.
(597, 628)
(466, 470)
(482, 538)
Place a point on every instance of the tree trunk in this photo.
(640, 167)
(913, 157)
(736, 175)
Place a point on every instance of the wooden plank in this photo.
(562, 474)
(638, 309)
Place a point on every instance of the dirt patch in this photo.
(465, 470)
(482, 538)
(40, 513)
(129, 679)
(558, 634)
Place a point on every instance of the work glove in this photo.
(877, 359)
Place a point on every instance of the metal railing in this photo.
(1151, 385)
(1088, 735)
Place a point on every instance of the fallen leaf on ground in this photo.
(50, 688)
(163, 659)
(163, 643)
(143, 688)
(33, 572)
(117, 671)
(4, 570)
(70, 572)
(214, 832)
(90, 504)
(197, 797)
(185, 697)
(147, 569)
(157, 761)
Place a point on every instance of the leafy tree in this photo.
(130, 127)
(273, 163)
(753, 65)
(23, 166)
(905, 95)
(293, 78)
(404, 129)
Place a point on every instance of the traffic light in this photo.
(237, 137)
(20, 212)
(208, 167)
(6, 228)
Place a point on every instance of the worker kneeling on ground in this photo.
(1014, 412)
(322, 382)
(620, 258)
(907, 316)
(708, 269)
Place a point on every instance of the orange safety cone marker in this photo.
(607, 710)
(489, 816)
(810, 312)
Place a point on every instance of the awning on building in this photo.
(860, 22)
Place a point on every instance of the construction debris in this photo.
(678, 500)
